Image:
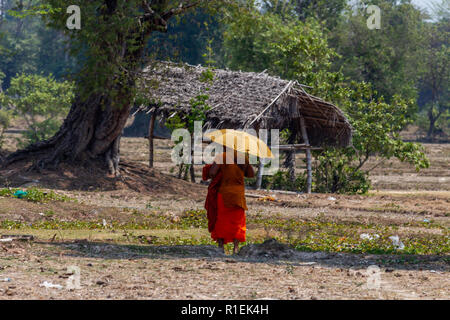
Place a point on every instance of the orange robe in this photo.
(231, 205)
(211, 198)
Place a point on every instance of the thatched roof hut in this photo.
(242, 100)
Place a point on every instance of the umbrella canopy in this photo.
(241, 141)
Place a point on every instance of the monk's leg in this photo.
(220, 242)
(236, 246)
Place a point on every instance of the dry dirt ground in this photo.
(113, 265)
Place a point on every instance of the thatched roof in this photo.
(241, 100)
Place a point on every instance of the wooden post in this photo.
(191, 166)
(308, 155)
(259, 173)
(192, 172)
(151, 129)
(291, 165)
(290, 158)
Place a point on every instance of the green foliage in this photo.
(377, 127)
(327, 11)
(435, 77)
(376, 133)
(199, 107)
(35, 195)
(441, 125)
(281, 181)
(334, 173)
(112, 41)
(194, 219)
(299, 51)
(188, 36)
(28, 46)
(39, 131)
(387, 58)
(5, 119)
(291, 49)
(41, 101)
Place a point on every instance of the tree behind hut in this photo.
(299, 51)
(435, 76)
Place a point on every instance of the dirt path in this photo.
(201, 272)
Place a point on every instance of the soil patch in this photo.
(135, 177)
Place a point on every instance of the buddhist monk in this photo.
(231, 205)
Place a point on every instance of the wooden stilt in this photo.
(259, 173)
(151, 129)
(291, 165)
(308, 155)
(192, 172)
(191, 166)
(290, 158)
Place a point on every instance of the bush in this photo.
(334, 173)
(376, 132)
(5, 119)
(280, 181)
(39, 131)
(41, 101)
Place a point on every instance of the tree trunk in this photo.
(192, 172)
(89, 132)
(151, 129)
(308, 156)
(431, 128)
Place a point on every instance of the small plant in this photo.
(49, 213)
(41, 102)
(289, 268)
(35, 195)
(194, 219)
(5, 119)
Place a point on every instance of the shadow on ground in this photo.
(270, 251)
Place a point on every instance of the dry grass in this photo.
(152, 263)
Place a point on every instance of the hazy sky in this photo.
(422, 3)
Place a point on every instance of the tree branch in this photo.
(180, 9)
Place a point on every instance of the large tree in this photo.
(112, 41)
(387, 58)
(436, 72)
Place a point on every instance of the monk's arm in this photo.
(249, 172)
(247, 168)
(214, 170)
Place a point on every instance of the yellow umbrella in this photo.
(241, 141)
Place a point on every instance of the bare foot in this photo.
(236, 247)
(221, 247)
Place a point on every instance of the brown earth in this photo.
(114, 268)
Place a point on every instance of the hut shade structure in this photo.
(238, 98)
(242, 100)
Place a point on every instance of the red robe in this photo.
(211, 198)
